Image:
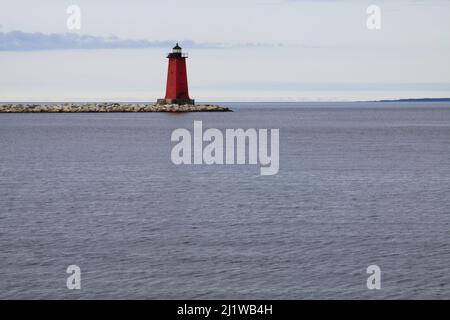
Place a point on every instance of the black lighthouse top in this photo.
(177, 53)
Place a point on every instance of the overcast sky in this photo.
(272, 50)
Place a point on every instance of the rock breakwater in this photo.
(106, 107)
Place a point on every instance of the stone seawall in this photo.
(107, 107)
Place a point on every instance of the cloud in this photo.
(25, 41)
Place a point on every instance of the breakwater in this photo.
(107, 107)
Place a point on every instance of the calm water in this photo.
(359, 184)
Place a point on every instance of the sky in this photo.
(239, 50)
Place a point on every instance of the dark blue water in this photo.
(359, 184)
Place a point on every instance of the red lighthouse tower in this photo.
(177, 91)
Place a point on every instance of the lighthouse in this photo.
(177, 91)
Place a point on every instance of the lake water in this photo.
(359, 184)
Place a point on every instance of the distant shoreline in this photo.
(414, 100)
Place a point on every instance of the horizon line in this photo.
(444, 99)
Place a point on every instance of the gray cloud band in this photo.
(26, 41)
